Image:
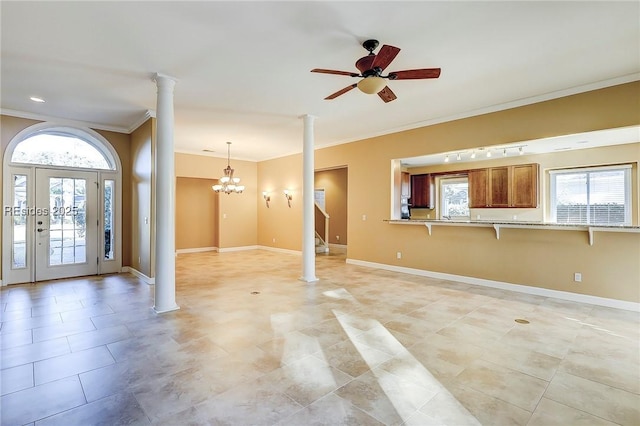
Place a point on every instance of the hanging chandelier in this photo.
(228, 183)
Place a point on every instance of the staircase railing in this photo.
(322, 226)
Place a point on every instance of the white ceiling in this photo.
(243, 67)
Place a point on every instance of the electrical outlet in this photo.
(274, 240)
(399, 255)
(428, 215)
(337, 237)
(364, 217)
(577, 277)
(139, 260)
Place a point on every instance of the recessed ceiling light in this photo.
(208, 150)
(36, 99)
(582, 142)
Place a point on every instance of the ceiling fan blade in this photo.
(340, 92)
(385, 56)
(415, 74)
(350, 74)
(386, 94)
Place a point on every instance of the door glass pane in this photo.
(109, 193)
(19, 214)
(67, 221)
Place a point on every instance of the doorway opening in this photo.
(62, 205)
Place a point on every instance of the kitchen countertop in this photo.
(506, 223)
(500, 225)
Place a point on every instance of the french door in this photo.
(65, 223)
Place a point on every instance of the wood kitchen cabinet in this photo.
(499, 186)
(505, 186)
(422, 191)
(478, 188)
(524, 185)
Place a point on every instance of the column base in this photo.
(309, 280)
(162, 311)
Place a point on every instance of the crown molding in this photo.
(78, 123)
(214, 155)
(143, 119)
(63, 121)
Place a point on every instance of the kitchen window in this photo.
(454, 198)
(591, 196)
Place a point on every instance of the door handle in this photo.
(41, 229)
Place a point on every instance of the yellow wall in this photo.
(279, 222)
(196, 213)
(335, 185)
(237, 213)
(548, 259)
(141, 215)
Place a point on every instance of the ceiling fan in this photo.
(371, 67)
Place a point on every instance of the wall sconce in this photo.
(266, 197)
(288, 196)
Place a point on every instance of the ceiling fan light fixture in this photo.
(371, 85)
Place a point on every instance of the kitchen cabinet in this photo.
(524, 185)
(422, 191)
(478, 187)
(499, 186)
(504, 187)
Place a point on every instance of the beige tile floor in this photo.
(359, 347)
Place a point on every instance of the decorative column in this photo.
(308, 222)
(165, 279)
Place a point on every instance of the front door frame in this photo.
(27, 274)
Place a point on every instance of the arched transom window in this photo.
(61, 149)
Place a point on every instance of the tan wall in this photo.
(280, 222)
(196, 213)
(141, 213)
(335, 185)
(546, 259)
(237, 213)
(11, 126)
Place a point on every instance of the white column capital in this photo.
(164, 80)
(307, 117)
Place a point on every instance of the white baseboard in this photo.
(336, 245)
(538, 291)
(280, 250)
(143, 277)
(196, 250)
(241, 248)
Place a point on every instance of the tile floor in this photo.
(359, 347)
